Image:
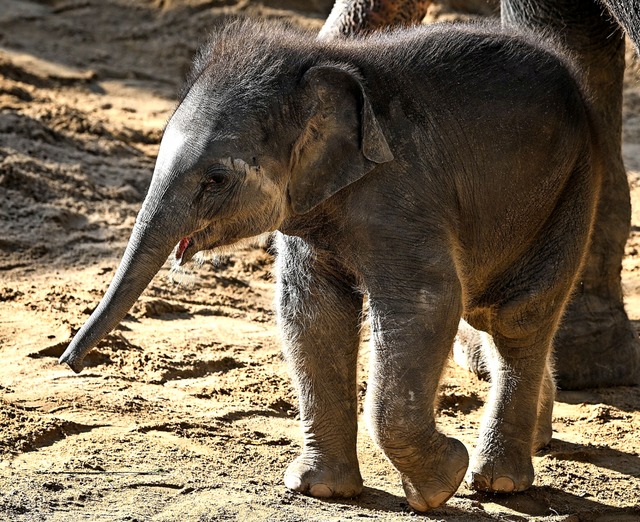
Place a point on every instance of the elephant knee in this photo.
(398, 421)
(526, 317)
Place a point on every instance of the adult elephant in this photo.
(596, 344)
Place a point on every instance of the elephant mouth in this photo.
(186, 243)
(201, 241)
(189, 247)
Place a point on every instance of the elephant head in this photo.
(259, 136)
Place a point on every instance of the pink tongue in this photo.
(182, 246)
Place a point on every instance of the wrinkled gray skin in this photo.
(442, 172)
(596, 345)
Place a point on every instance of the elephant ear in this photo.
(341, 141)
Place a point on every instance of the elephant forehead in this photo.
(183, 148)
(172, 146)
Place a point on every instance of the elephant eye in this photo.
(217, 176)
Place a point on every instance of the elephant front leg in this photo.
(319, 315)
(411, 343)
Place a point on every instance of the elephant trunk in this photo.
(150, 244)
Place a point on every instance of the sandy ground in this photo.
(185, 412)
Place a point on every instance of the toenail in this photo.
(480, 482)
(320, 490)
(420, 505)
(439, 498)
(503, 485)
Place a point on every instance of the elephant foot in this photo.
(468, 350)
(430, 487)
(544, 422)
(323, 479)
(501, 468)
(543, 434)
(596, 346)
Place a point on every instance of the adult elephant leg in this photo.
(351, 17)
(596, 344)
(319, 315)
(628, 15)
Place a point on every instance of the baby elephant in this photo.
(442, 172)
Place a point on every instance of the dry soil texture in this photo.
(185, 412)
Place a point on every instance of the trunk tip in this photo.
(74, 362)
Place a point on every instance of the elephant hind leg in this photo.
(544, 424)
(469, 350)
(517, 420)
(472, 350)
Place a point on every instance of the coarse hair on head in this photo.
(245, 56)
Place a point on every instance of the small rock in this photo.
(53, 486)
